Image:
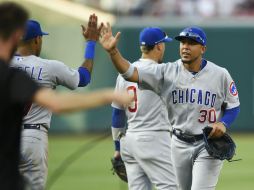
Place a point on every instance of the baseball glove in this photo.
(220, 148)
(118, 167)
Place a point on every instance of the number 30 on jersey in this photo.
(207, 115)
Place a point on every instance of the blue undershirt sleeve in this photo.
(117, 145)
(230, 116)
(118, 118)
(118, 125)
(84, 77)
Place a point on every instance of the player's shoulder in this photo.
(53, 65)
(32, 59)
(176, 63)
(171, 66)
(23, 61)
(50, 62)
(216, 68)
(120, 81)
(17, 60)
(141, 63)
(119, 78)
(144, 63)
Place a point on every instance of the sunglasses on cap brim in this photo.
(193, 36)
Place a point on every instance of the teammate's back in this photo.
(148, 111)
(49, 74)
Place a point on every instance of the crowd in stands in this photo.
(163, 8)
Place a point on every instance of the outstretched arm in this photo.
(109, 43)
(91, 34)
(69, 102)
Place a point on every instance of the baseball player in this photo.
(198, 93)
(49, 74)
(148, 124)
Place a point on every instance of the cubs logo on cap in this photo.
(232, 89)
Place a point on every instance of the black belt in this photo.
(35, 126)
(187, 138)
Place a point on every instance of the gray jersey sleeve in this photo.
(231, 93)
(118, 87)
(63, 75)
(151, 77)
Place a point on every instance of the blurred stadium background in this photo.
(229, 25)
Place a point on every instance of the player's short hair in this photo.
(25, 42)
(12, 17)
(146, 49)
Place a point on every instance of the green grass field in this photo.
(91, 171)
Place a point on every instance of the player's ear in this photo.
(159, 46)
(37, 39)
(203, 49)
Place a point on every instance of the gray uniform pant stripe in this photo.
(195, 169)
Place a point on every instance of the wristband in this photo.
(90, 49)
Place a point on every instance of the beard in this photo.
(188, 62)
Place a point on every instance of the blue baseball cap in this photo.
(33, 29)
(195, 33)
(151, 36)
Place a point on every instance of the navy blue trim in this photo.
(90, 50)
(203, 64)
(84, 77)
(118, 118)
(229, 116)
(117, 145)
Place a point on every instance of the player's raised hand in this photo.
(218, 130)
(92, 31)
(107, 40)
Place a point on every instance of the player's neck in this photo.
(194, 66)
(150, 56)
(25, 51)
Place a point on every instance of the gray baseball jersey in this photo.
(49, 74)
(148, 111)
(194, 101)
